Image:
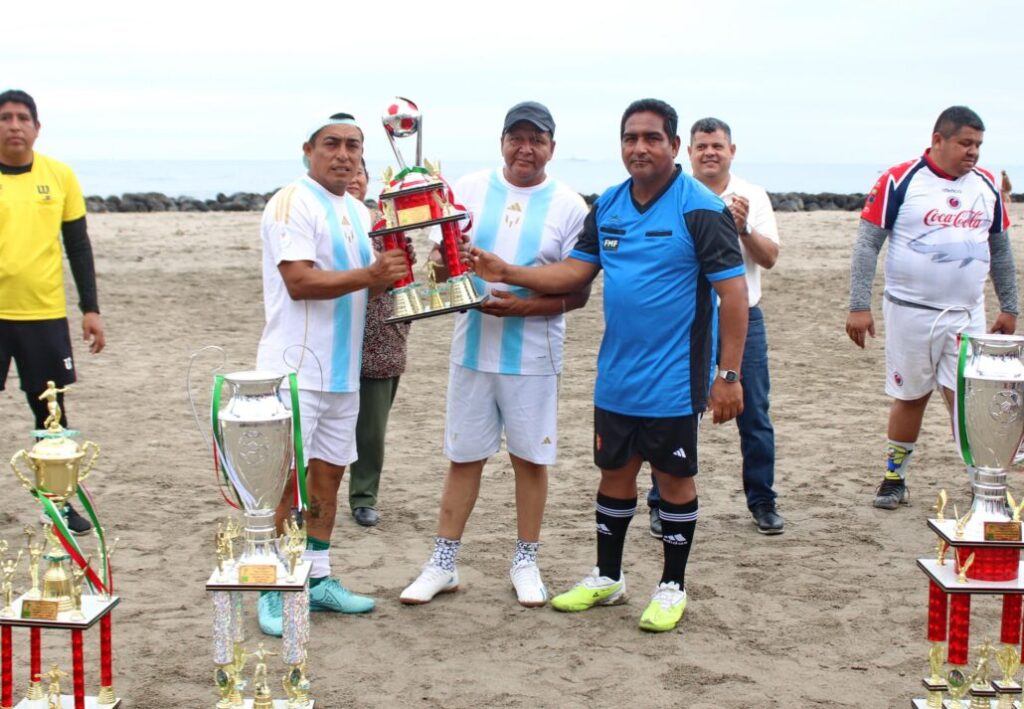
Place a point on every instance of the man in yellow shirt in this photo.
(41, 204)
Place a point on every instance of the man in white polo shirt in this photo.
(318, 266)
(505, 360)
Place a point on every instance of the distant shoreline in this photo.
(255, 202)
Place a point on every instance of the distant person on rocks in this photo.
(384, 353)
(667, 246)
(318, 271)
(506, 358)
(41, 207)
(947, 223)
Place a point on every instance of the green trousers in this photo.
(375, 399)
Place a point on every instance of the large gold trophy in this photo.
(55, 470)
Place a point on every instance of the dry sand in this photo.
(830, 614)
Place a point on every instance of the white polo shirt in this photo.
(760, 218)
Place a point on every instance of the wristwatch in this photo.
(729, 375)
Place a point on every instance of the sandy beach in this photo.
(830, 614)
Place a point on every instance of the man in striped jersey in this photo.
(505, 360)
(318, 267)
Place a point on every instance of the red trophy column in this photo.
(7, 669)
(959, 628)
(78, 668)
(937, 613)
(35, 689)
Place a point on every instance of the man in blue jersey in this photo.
(505, 360)
(667, 245)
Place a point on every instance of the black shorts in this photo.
(668, 444)
(41, 349)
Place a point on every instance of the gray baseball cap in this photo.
(531, 112)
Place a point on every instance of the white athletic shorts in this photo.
(917, 355)
(481, 404)
(328, 424)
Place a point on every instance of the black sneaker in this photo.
(768, 521)
(78, 524)
(655, 523)
(891, 494)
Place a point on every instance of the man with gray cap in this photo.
(506, 358)
(318, 267)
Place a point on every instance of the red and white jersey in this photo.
(938, 231)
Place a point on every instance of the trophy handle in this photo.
(88, 467)
(25, 482)
(188, 386)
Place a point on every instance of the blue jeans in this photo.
(757, 437)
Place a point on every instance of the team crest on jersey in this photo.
(953, 202)
(43, 189)
(898, 378)
(346, 228)
(513, 215)
(68, 364)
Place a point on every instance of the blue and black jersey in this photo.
(659, 260)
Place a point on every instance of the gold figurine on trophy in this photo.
(962, 568)
(296, 686)
(961, 522)
(7, 568)
(1008, 659)
(293, 545)
(940, 506)
(35, 553)
(262, 698)
(52, 422)
(223, 550)
(942, 548)
(1014, 506)
(53, 700)
(232, 531)
(77, 582)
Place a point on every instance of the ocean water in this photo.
(204, 179)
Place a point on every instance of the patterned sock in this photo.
(318, 554)
(897, 455)
(446, 553)
(526, 552)
(613, 518)
(678, 523)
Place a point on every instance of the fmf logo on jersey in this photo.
(611, 244)
(966, 219)
(953, 202)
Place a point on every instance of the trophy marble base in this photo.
(229, 582)
(438, 311)
(67, 701)
(93, 608)
(917, 703)
(946, 578)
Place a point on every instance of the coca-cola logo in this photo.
(953, 202)
(965, 219)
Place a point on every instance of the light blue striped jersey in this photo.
(528, 226)
(305, 222)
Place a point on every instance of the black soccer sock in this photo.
(613, 517)
(678, 523)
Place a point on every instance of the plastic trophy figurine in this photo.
(52, 422)
(940, 506)
(53, 700)
(232, 531)
(223, 544)
(35, 553)
(961, 522)
(1014, 506)
(294, 546)
(436, 303)
(77, 582)
(935, 661)
(1008, 659)
(7, 568)
(262, 698)
(942, 547)
(962, 570)
(415, 198)
(296, 686)
(982, 675)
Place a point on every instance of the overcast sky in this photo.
(853, 82)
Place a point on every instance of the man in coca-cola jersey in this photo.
(947, 228)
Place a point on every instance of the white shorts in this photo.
(328, 424)
(480, 404)
(918, 355)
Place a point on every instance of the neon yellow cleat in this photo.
(665, 610)
(593, 590)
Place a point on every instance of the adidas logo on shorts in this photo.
(679, 453)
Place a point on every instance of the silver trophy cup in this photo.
(990, 419)
(256, 431)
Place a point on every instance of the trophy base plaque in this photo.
(278, 704)
(67, 701)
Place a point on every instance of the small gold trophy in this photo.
(7, 568)
(935, 683)
(296, 686)
(262, 698)
(1006, 687)
(35, 553)
(53, 700)
(958, 685)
